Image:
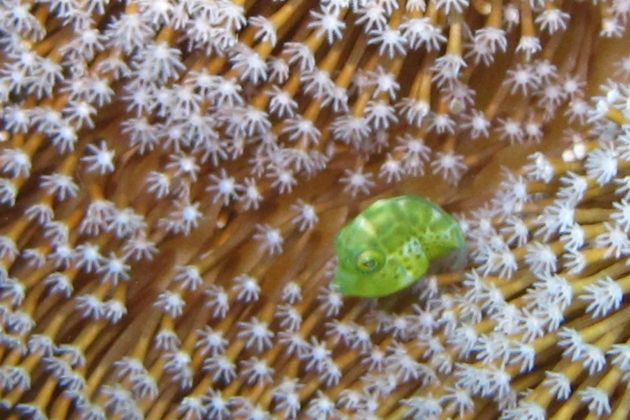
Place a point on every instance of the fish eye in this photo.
(369, 261)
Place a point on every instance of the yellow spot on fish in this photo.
(366, 225)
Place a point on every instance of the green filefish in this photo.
(391, 244)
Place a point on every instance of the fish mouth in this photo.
(342, 281)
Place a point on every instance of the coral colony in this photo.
(174, 174)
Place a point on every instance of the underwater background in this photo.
(174, 174)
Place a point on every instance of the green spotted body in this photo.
(391, 244)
